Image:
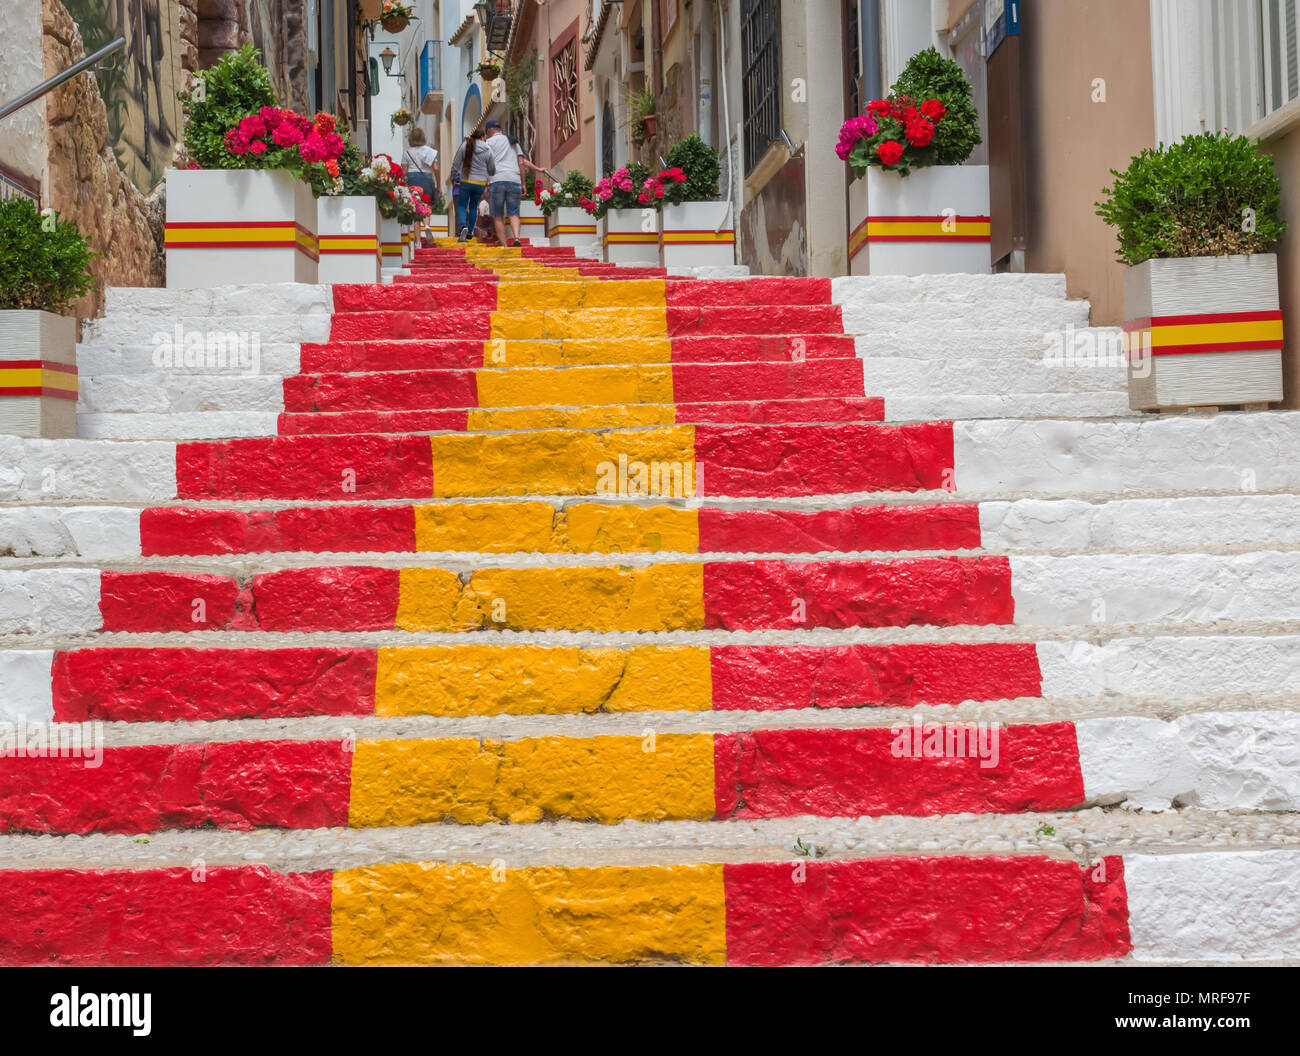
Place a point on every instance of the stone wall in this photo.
(83, 180)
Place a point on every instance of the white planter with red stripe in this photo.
(437, 225)
(38, 374)
(532, 221)
(236, 227)
(571, 226)
(630, 236)
(348, 237)
(697, 235)
(1203, 331)
(934, 221)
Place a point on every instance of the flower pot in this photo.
(630, 236)
(933, 222)
(691, 237)
(401, 121)
(570, 226)
(488, 76)
(391, 258)
(650, 123)
(348, 235)
(1203, 331)
(230, 227)
(38, 374)
(532, 221)
(394, 23)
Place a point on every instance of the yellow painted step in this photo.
(426, 913)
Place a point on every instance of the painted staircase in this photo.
(535, 610)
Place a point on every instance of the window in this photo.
(760, 56)
(565, 113)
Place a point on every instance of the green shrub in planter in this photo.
(699, 162)
(236, 86)
(1208, 195)
(43, 260)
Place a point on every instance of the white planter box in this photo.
(235, 227)
(933, 222)
(390, 244)
(408, 244)
(570, 226)
(348, 235)
(697, 235)
(438, 225)
(1203, 331)
(630, 236)
(532, 222)
(38, 374)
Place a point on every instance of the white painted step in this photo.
(164, 331)
(227, 359)
(941, 376)
(1016, 405)
(223, 301)
(178, 392)
(962, 341)
(973, 290)
(1045, 315)
(184, 425)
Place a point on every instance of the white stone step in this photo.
(973, 290)
(285, 298)
(178, 392)
(275, 359)
(1044, 315)
(167, 331)
(937, 377)
(183, 425)
(925, 340)
(1015, 405)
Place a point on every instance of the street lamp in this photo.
(386, 57)
(481, 9)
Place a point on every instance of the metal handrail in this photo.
(59, 78)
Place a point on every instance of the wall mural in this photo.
(564, 92)
(139, 87)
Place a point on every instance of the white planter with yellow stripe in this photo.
(934, 221)
(348, 236)
(1203, 331)
(630, 236)
(390, 243)
(38, 374)
(229, 227)
(532, 222)
(697, 235)
(571, 226)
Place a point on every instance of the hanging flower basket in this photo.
(394, 23)
(489, 71)
(400, 117)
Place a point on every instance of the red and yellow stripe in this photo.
(240, 234)
(927, 229)
(38, 377)
(1204, 332)
(690, 237)
(367, 245)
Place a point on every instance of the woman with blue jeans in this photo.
(475, 164)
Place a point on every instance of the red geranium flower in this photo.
(325, 122)
(889, 152)
(934, 110)
(257, 147)
(879, 106)
(919, 132)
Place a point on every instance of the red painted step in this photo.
(737, 595)
(942, 591)
(347, 468)
(170, 684)
(739, 460)
(147, 788)
(948, 526)
(778, 677)
(860, 773)
(926, 910)
(225, 915)
(323, 423)
(181, 684)
(691, 383)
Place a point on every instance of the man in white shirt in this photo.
(507, 184)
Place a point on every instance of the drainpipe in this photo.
(733, 192)
(705, 120)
